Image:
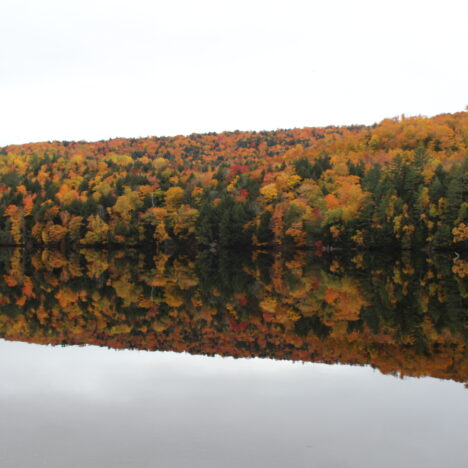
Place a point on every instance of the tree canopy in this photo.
(402, 183)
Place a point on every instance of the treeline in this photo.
(401, 184)
(403, 315)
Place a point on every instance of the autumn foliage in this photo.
(399, 184)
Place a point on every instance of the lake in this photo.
(137, 359)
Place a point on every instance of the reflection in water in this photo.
(404, 316)
(75, 407)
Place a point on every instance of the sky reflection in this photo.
(95, 407)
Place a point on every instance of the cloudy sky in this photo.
(96, 69)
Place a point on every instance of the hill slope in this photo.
(402, 183)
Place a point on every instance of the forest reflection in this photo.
(404, 316)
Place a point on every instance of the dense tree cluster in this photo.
(403, 315)
(402, 183)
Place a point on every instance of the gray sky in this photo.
(95, 69)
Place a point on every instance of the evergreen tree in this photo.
(264, 232)
(455, 193)
(436, 190)
(207, 228)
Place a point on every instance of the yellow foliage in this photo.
(358, 238)
(184, 221)
(172, 297)
(16, 222)
(126, 203)
(126, 289)
(460, 233)
(120, 329)
(53, 234)
(460, 267)
(98, 231)
(119, 159)
(74, 227)
(66, 195)
(174, 196)
(293, 181)
(269, 304)
(160, 163)
(269, 191)
(335, 231)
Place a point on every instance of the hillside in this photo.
(401, 184)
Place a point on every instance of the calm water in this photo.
(350, 362)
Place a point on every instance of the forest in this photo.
(404, 315)
(400, 184)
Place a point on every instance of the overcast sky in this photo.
(96, 69)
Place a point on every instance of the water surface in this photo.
(96, 407)
(355, 362)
